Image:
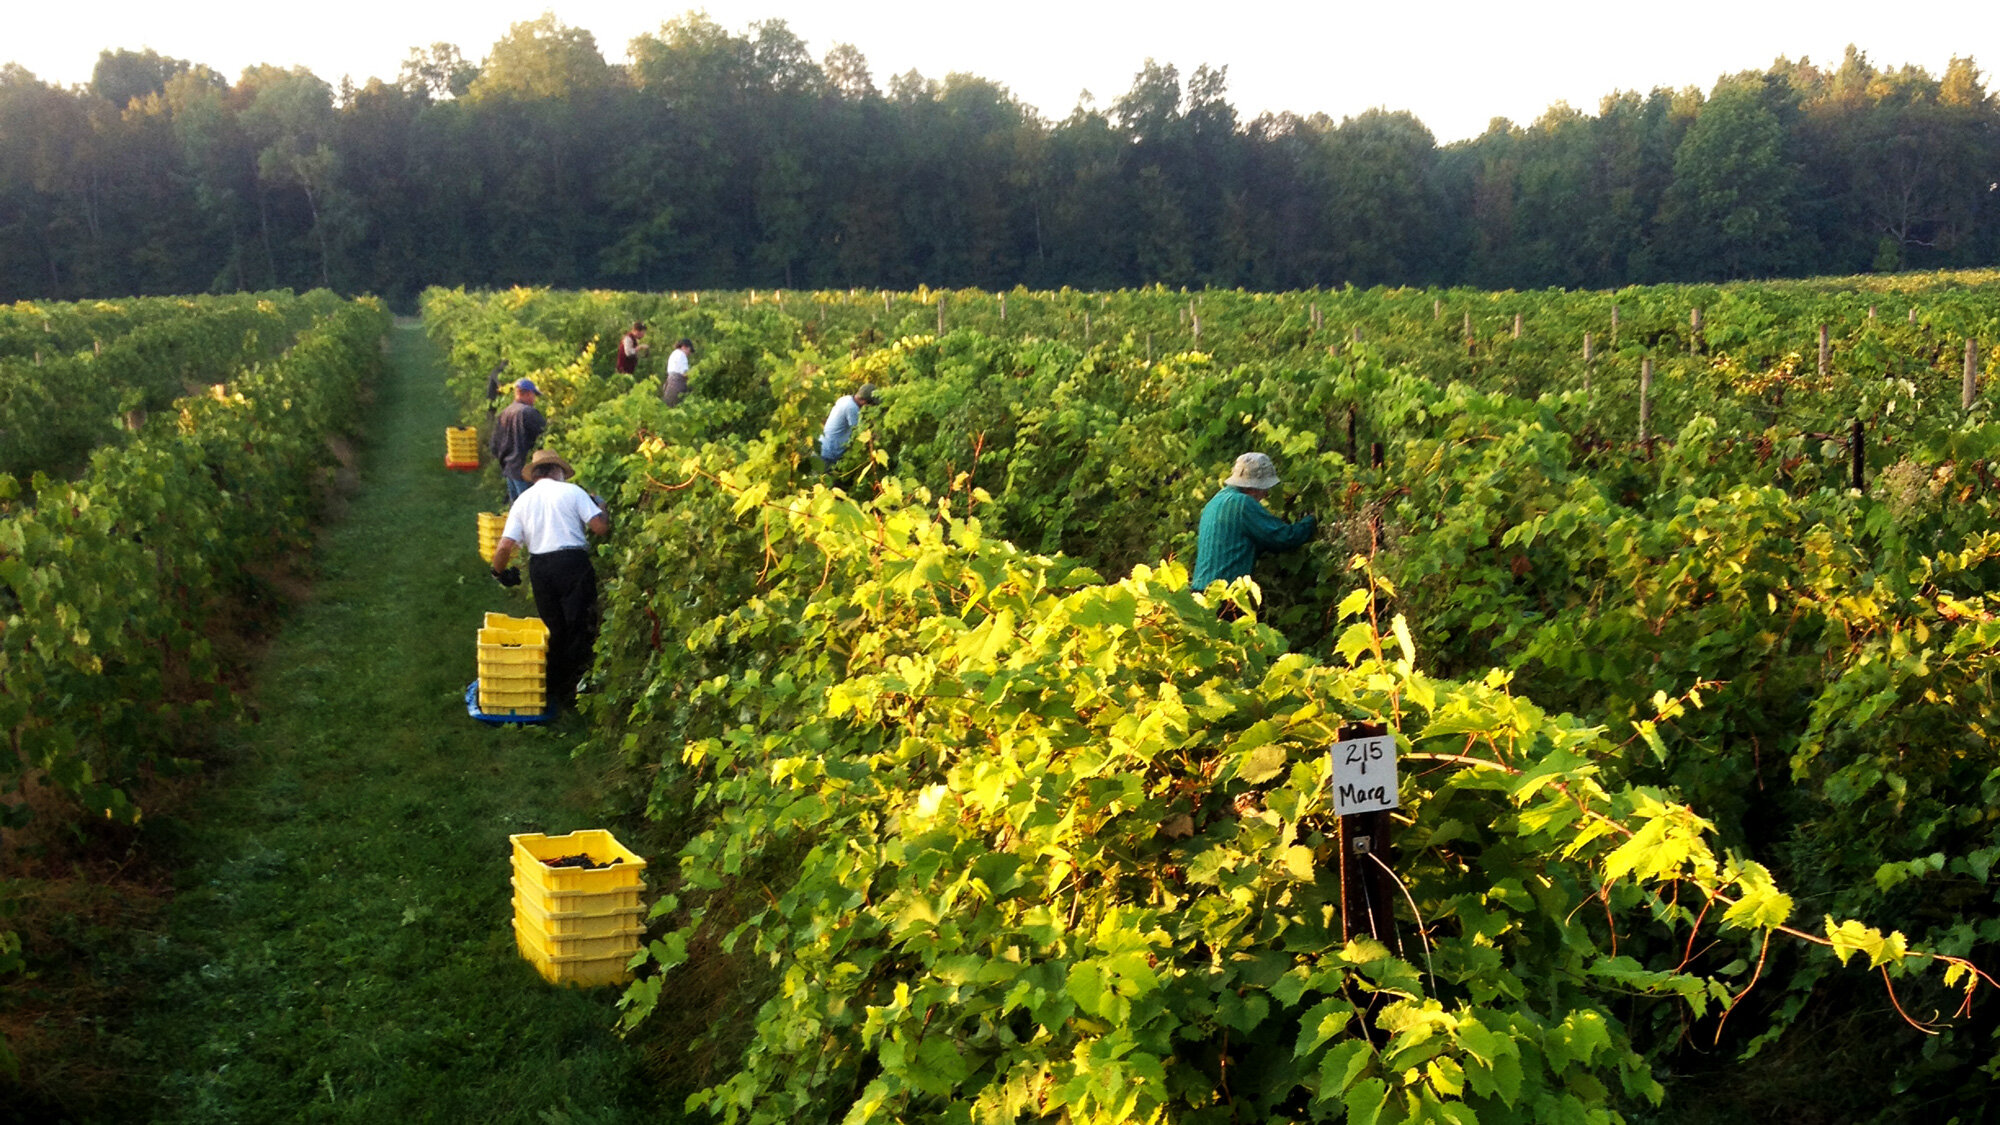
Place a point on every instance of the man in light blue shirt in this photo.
(841, 423)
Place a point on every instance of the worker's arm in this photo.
(503, 551)
(1270, 533)
(599, 525)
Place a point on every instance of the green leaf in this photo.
(1355, 602)
(1262, 764)
(1298, 861)
(1341, 1066)
(1356, 639)
(1327, 1020)
(1366, 1101)
(1086, 985)
(1401, 627)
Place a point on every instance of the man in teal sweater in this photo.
(1235, 527)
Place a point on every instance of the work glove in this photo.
(509, 577)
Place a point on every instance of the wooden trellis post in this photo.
(1825, 353)
(1970, 392)
(1645, 400)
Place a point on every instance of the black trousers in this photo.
(565, 587)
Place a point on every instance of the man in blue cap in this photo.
(516, 432)
(1236, 528)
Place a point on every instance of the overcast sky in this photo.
(1455, 65)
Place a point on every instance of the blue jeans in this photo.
(514, 487)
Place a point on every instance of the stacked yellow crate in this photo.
(513, 662)
(577, 925)
(491, 524)
(461, 447)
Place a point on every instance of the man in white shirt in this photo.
(552, 521)
(676, 383)
(841, 422)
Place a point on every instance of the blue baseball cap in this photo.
(527, 385)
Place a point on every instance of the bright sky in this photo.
(1454, 64)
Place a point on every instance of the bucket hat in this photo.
(1253, 470)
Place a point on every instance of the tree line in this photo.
(710, 159)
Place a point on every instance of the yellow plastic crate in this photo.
(491, 524)
(512, 636)
(510, 695)
(531, 628)
(512, 680)
(507, 674)
(511, 660)
(576, 971)
(531, 848)
(461, 447)
(512, 655)
(561, 906)
(624, 940)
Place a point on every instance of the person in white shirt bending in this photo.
(552, 521)
(841, 423)
(676, 383)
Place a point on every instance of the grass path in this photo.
(340, 946)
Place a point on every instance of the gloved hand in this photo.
(509, 577)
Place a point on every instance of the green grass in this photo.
(339, 948)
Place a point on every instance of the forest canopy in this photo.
(715, 159)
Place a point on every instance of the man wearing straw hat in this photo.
(1236, 528)
(550, 521)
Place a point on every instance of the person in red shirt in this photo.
(629, 347)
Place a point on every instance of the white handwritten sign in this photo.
(1364, 774)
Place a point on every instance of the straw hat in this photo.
(1253, 470)
(543, 461)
